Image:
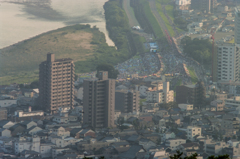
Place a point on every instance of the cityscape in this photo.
(120, 79)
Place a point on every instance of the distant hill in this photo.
(85, 45)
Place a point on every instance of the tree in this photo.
(76, 77)
(34, 84)
(159, 141)
(194, 156)
(112, 72)
(199, 50)
(136, 124)
(120, 121)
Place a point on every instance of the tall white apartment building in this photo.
(227, 62)
(237, 25)
(161, 95)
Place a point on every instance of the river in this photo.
(22, 21)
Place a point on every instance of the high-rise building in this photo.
(228, 63)
(237, 25)
(99, 101)
(191, 94)
(204, 5)
(127, 101)
(56, 83)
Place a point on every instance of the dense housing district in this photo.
(135, 116)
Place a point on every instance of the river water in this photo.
(20, 21)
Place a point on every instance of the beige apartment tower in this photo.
(99, 101)
(56, 83)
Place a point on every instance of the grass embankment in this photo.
(193, 75)
(170, 12)
(160, 11)
(146, 18)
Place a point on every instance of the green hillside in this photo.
(85, 45)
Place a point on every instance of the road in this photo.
(171, 57)
(130, 14)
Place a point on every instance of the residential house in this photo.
(146, 143)
(133, 152)
(57, 151)
(5, 132)
(17, 130)
(215, 148)
(87, 132)
(185, 107)
(6, 124)
(59, 131)
(63, 141)
(174, 143)
(217, 105)
(121, 146)
(152, 136)
(134, 139)
(92, 144)
(168, 135)
(61, 118)
(233, 142)
(33, 130)
(162, 113)
(232, 151)
(28, 124)
(188, 146)
(162, 123)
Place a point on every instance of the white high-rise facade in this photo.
(227, 62)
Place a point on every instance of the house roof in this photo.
(133, 138)
(26, 122)
(4, 122)
(12, 128)
(84, 131)
(29, 152)
(118, 144)
(132, 152)
(31, 128)
(75, 130)
(190, 144)
(144, 140)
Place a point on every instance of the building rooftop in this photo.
(62, 60)
(191, 86)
